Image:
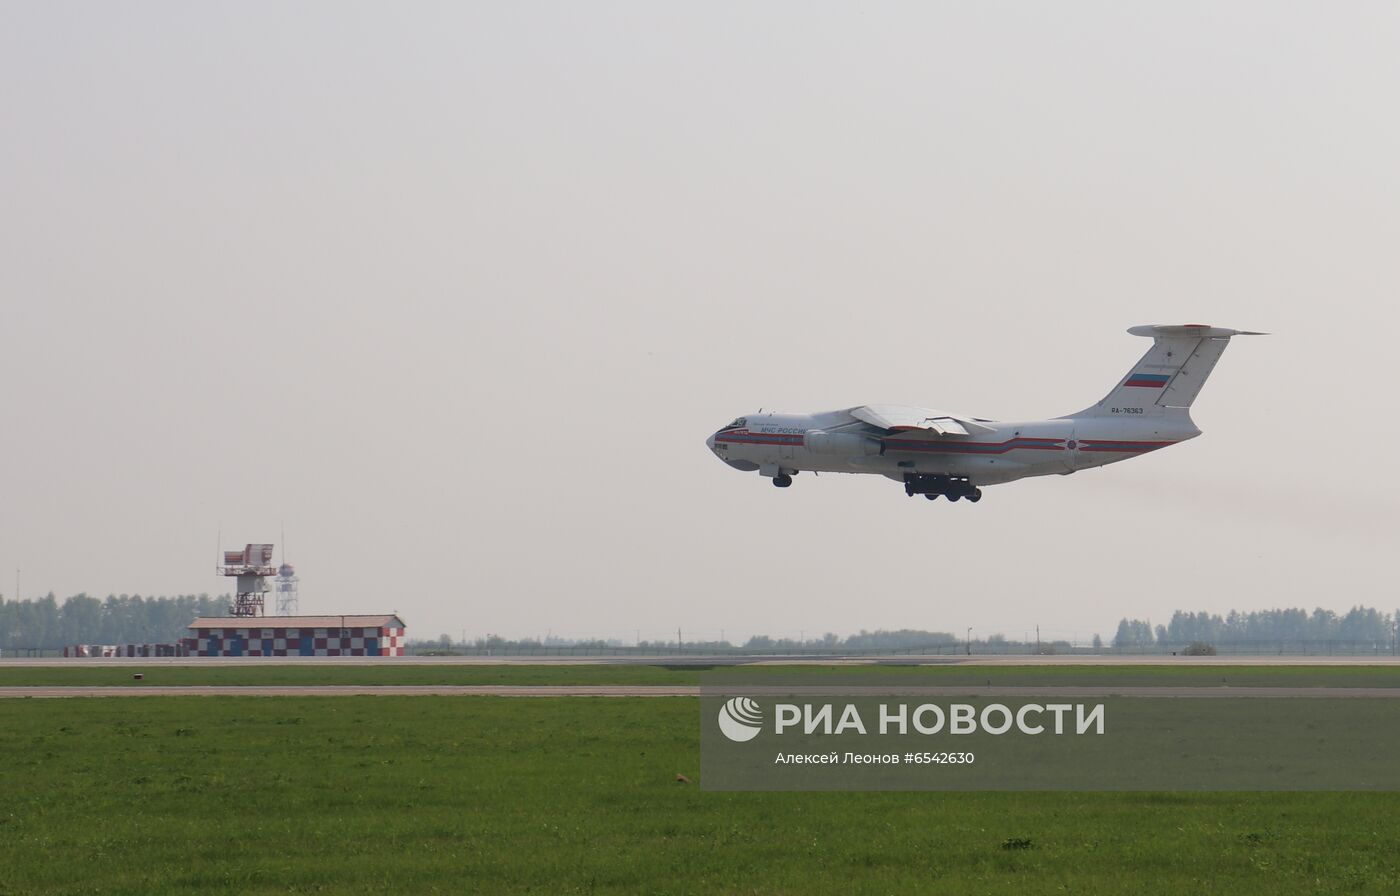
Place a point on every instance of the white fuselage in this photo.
(788, 443)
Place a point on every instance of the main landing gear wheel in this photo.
(782, 481)
(931, 485)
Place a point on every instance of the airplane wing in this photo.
(918, 423)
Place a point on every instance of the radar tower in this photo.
(251, 567)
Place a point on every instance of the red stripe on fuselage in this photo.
(1025, 443)
(755, 438)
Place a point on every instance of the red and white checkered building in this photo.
(296, 636)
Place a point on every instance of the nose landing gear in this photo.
(782, 481)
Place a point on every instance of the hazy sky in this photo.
(457, 291)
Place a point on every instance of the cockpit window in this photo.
(741, 421)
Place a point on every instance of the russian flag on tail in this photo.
(1147, 380)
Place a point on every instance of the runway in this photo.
(338, 690)
(965, 692)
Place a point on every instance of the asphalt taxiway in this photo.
(1377, 659)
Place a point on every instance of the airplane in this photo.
(955, 455)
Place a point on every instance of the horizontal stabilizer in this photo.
(1196, 331)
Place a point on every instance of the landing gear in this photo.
(954, 488)
(782, 481)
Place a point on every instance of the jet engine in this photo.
(844, 443)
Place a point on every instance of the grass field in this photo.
(568, 795)
(260, 673)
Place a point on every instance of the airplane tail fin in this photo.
(1172, 372)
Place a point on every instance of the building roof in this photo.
(297, 622)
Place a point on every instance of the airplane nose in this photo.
(710, 442)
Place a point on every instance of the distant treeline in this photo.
(876, 640)
(133, 619)
(119, 619)
(1357, 625)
